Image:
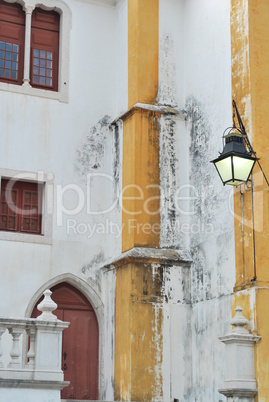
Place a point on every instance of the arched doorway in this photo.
(80, 351)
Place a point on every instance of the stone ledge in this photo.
(152, 256)
(240, 338)
(24, 323)
(239, 392)
(9, 383)
(158, 109)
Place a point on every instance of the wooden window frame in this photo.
(45, 37)
(12, 30)
(62, 94)
(19, 210)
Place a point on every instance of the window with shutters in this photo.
(12, 33)
(45, 49)
(34, 48)
(21, 206)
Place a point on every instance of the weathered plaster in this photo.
(168, 167)
(167, 66)
(91, 152)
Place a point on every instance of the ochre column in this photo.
(143, 51)
(139, 318)
(139, 298)
(141, 180)
(250, 89)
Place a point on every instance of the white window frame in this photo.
(64, 52)
(47, 180)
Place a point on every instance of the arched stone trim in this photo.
(78, 283)
(94, 298)
(64, 51)
(21, 2)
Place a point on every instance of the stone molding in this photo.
(239, 392)
(14, 383)
(152, 256)
(158, 109)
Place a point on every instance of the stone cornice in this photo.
(238, 392)
(158, 109)
(151, 256)
(239, 338)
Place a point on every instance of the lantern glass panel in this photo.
(242, 168)
(224, 167)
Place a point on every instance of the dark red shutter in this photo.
(21, 206)
(9, 203)
(45, 49)
(12, 33)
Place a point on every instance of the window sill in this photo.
(25, 237)
(61, 96)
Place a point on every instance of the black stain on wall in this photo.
(91, 152)
(97, 260)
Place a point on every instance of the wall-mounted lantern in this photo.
(236, 161)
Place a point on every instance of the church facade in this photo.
(110, 113)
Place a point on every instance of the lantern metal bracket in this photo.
(242, 130)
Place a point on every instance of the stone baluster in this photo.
(15, 352)
(31, 332)
(46, 307)
(2, 330)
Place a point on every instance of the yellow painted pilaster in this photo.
(143, 51)
(139, 300)
(139, 316)
(259, 79)
(141, 180)
(241, 93)
(250, 89)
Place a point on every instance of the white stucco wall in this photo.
(69, 141)
(195, 75)
(53, 137)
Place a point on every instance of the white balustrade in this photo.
(35, 354)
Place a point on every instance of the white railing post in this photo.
(48, 341)
(240, 383)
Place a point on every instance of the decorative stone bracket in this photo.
(240, 382)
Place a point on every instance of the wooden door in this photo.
(80, 342)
